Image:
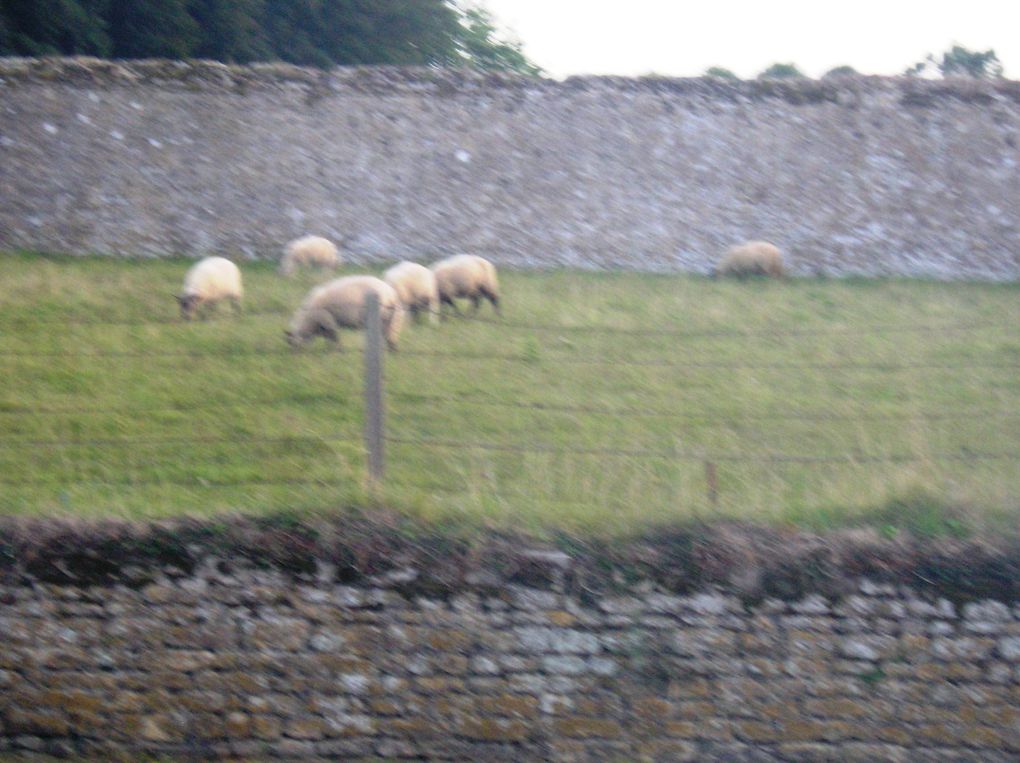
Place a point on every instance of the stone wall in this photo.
(858, 176)
(229, 660)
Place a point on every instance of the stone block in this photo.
(493, 729)
(587, 727)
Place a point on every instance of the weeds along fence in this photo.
(153, 454)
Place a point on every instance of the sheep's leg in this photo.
(392, 322)
(235, 302)
(493, 298)
(332, 335)
(448, 301)
(326, 327)
(476, 303)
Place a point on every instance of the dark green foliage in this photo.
(872, 677)
(920, 513)
(970, 63)
(47, 27)
(720, 72)
(408, 32)
(152, 29)
(479, 47)
(780, 71)
(232, 30)
(840, 71)
(917, 69)
(958, 61)
(306, 32)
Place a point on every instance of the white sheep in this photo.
(416, 287)
(311, 251)
(341, 304)
(466, 275)
(207, 282)
(749, 259)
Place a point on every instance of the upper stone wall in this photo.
(853, 176)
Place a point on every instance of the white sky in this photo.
(677, 38)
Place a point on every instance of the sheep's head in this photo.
(188, 303)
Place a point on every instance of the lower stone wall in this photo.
(227, 662)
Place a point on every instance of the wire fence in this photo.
(700, 456)
(715, 333)
(721, 416)
(403, 435)
(264, 351)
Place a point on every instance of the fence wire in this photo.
(71, 320)
(504, 324)
(526, 360)
(777, 330)
(239, 440)
(633, 412)
(179, 407)
(557, 356)
(194, 482)
(681, 455)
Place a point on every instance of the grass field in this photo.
(894, 402)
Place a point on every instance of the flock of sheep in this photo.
(340, 303)
(405, 287)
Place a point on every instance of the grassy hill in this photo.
(593, 404)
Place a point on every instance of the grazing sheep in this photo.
(341, 304)
(416, 287)
(752, 258)
(466, 275)
(310, 251)
(207, 282)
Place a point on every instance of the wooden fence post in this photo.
(373, 389)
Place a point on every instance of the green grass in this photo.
(278, 430)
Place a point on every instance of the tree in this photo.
(48, 27)
(405, 32)
(232, 30)
(840, 71)
(6, 37)
(292, 27)
(959, 61)
(970, 63)
(480, 47)
(308, 32)
(152, 29)
(720, 72)
(781, 71)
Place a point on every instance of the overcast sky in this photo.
(677, 38)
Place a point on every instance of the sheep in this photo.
(310, 251)
(341, 304)
(466, 275)
(416, 286)
(750, 259)
(207, 282)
